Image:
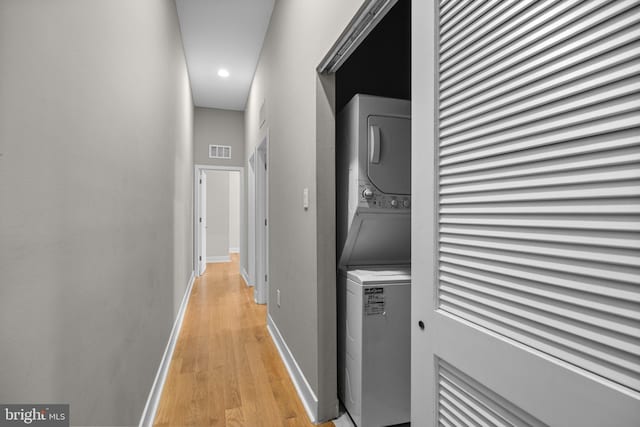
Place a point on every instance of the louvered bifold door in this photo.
(538, 189)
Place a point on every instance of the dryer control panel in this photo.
(371, 197)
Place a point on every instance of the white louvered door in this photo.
(526, 213)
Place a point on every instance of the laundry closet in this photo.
(373, 221)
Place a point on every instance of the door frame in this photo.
(202, 223)
(261, 210)
(363, 22)
(250, 273)
(423, 218)
(197, 209)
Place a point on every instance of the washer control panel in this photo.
(372, 198)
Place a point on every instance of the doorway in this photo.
(372, 58)
(259, 215)
(218, 204)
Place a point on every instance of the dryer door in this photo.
(389, 154)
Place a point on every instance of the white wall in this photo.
(234, 211)
(302, 242)
(217, 215)
(223, 214)
(96, 155)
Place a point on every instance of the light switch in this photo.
(305, 198)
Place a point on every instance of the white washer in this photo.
(374, 344)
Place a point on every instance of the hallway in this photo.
(226, 371)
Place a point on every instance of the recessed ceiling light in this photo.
(223, 73)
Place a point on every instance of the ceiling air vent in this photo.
(219, 151)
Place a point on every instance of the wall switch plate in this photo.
(305, 198)
(278, 297)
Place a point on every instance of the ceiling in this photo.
(222, 34)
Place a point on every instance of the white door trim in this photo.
(202, 223)
(198, 168)
(324, 194)
(423, 248)
(251, 222)
(261, 206)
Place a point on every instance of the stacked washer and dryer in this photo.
(373, 175)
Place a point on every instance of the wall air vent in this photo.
(219, 151)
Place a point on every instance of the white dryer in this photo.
(373, 170)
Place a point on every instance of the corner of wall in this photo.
(326, 247)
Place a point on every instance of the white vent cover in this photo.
(219, 151)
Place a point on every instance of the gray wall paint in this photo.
(217, 214)
(96, 173)
(302, 260)
(221, 127)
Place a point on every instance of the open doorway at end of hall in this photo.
(218, 215)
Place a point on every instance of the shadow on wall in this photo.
(381, 65)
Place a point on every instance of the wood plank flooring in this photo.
(226, 370)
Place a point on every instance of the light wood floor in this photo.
(225, 369)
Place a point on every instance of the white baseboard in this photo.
(149, 412)
(245, 276)
(308, 397)
(222, 258)
(234, 250)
